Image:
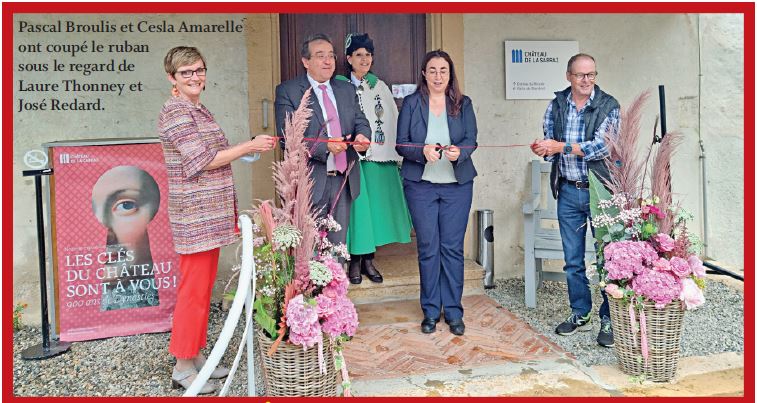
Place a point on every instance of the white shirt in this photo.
(330, 164)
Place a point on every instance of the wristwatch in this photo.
(567, 149)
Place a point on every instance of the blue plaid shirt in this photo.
(573, 167)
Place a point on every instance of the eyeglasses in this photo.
(590, 76)
(188, 73)
(322, 57)
(439, 72)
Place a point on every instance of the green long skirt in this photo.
(379, 216)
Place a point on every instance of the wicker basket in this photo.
(663, 340)
(292, 371)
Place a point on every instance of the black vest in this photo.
(594, 115)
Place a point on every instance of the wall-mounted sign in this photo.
(35, 159)
(536, 69)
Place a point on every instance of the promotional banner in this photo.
(116, 266)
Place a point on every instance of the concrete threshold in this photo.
(712, 375)
(716, 375)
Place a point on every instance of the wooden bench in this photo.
(541, 233)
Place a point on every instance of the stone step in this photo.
(402, 281)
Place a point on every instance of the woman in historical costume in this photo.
(379, 215)
(202, 205)
(436, 136)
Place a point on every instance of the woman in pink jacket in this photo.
(202, 204)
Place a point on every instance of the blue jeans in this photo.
(574, 215)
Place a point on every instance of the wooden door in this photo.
(399, 41)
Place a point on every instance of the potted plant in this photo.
(646, 257)
(301, 305)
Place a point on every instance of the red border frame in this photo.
(747, 9)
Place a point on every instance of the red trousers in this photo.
(190, 316)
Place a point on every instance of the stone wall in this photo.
(634, 53)
(128, 114)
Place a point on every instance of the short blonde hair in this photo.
(181, 56)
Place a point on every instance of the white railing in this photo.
(243, 297)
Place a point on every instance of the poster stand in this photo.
(114, 267)
(48, 348)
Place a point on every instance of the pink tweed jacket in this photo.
(201, 204)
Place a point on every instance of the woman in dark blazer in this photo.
(436, 135)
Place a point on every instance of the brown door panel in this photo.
(399, 39)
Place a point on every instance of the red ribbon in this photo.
(322, 140)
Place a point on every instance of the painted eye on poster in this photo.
(125, 199)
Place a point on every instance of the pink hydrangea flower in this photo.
(343, 320)
(664, 242)
(338, 277)
(338, 285)
(325, 305)
(330, 292)
(662, 264)
(662, 287)
(691, 294)
(614, 291)
(680, 267)
(334, 290)
(697, 268)
(302, 319)
(625, 259)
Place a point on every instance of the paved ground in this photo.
(500, 355)
(395, 347)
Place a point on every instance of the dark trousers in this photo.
(341, 211)
(440, 217)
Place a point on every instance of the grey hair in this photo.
(305, 50)
(579, 56)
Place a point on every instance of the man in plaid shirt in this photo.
(574, 127)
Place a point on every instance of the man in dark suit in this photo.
(336, 117)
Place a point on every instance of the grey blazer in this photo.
(353, 121)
